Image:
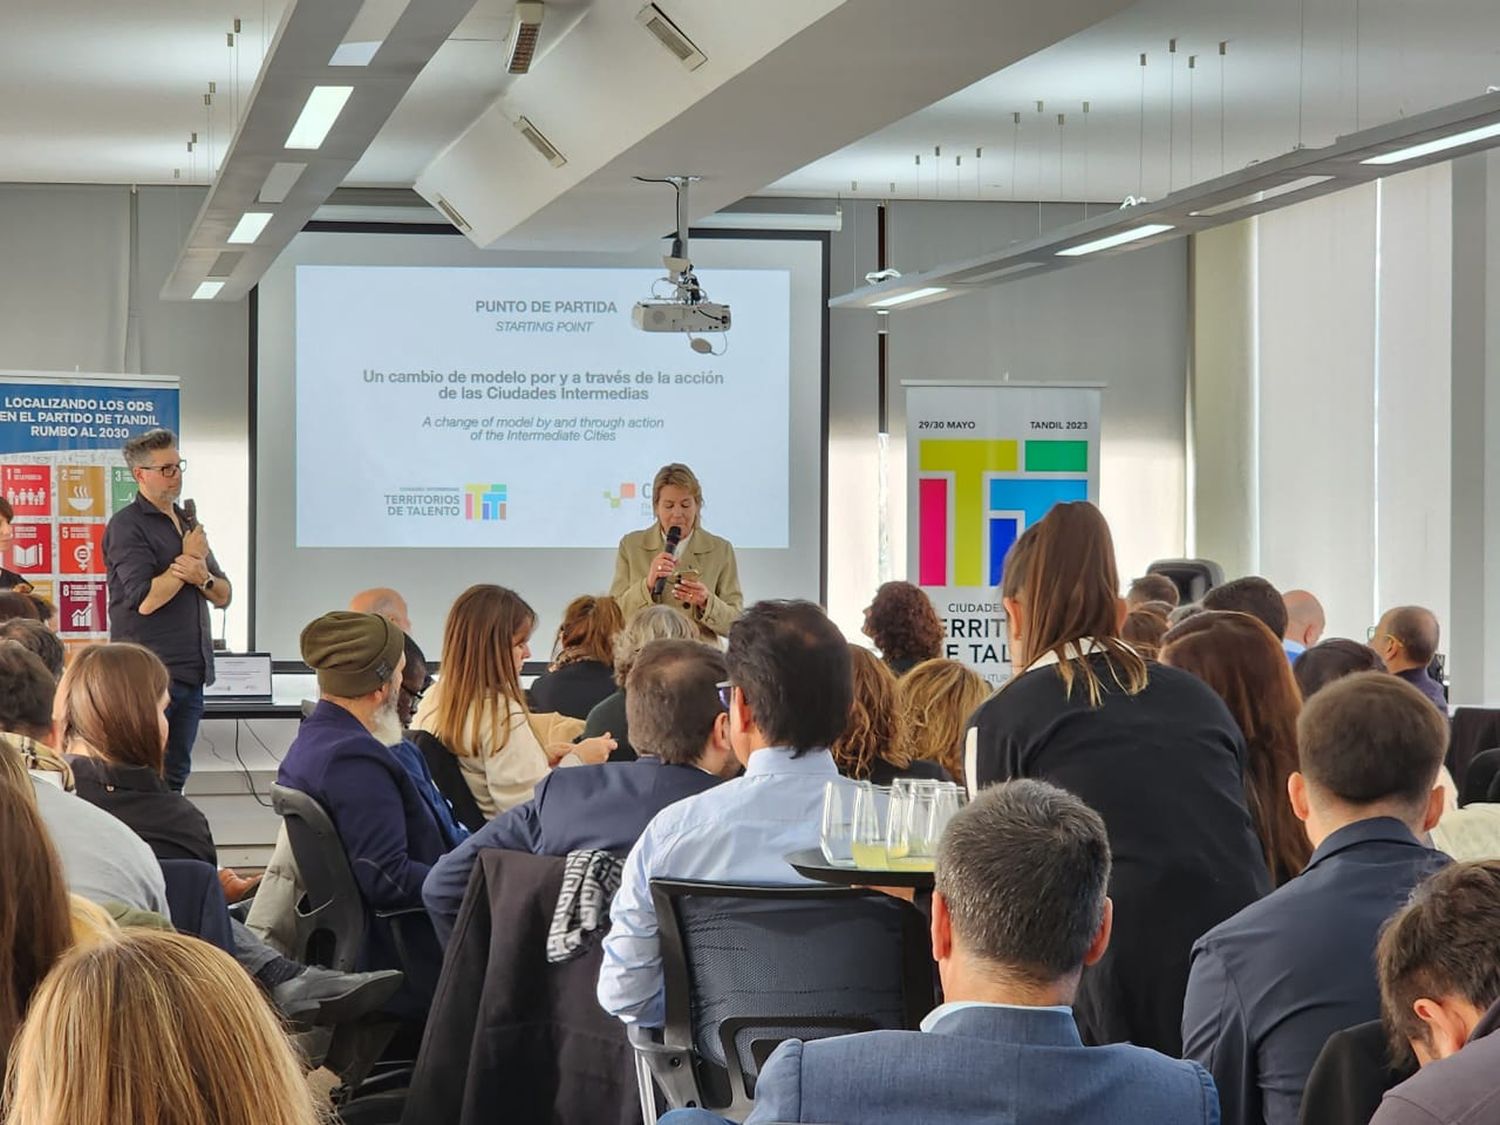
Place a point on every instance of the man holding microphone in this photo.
(162, 580)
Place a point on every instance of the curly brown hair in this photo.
(874, 729)
(903, 624)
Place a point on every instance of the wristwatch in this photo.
(209, 585)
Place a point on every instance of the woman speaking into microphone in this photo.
(675, 562)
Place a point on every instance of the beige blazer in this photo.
(710, 555)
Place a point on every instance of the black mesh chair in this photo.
(748, 967)
(449, 779)
(1193, 577)
(1481, 780)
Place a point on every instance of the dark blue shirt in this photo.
(140, 543)
(1419, 679)
(1270, 985)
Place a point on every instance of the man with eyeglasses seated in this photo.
(683, 743)
(163, 579)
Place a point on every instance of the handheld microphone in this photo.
(674, 536)
(190, 513)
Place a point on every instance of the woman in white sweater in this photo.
(478, 710)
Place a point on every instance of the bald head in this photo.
(1410, 635)
(1304, 617)
(383, 601)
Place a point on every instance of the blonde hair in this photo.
(479, 672)
(91, 922)
(110, 700)
(678, 475)
(874, 729)
(153, 1028)
(936, 699)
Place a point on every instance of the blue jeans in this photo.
(184, 710)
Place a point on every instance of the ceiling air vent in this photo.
(452, 212)
(670, 36)
(534, 136)
(525, 28)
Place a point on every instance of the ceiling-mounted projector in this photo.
(688, 310)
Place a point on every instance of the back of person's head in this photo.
(1332, 660)
(1153, 588)
(37, 638)
(1061, 572)
(791, 665)
(110, 704)
(1416, 629)
(1183, 612)
(588, 630)
(1305, 620)
(46, 611)
(1251, 595)
(1443, 945)
(17, 605)
(1372, 739)
(27, 691)
(384, 602)
(903, 624)
(1024, 871)
(936, 699)
(1237, 656)
(654, 623)
(874, 729)
(672, 699)
(485, 626)
(1144, 629)
(35, 924)
(154, 1027)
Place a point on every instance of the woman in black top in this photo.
(872, 748)
(582, 673)
(1152, 749)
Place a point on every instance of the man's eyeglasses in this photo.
(1374, 633)
(168, 472)
(416, 696)
(726, 692)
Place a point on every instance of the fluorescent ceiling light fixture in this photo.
(207, 290)
(249, 227)
(1260, 196)
(323, 107)
(767, 220)
(367, 32)
(1427, 148)
(1134, 234)
(902, 298)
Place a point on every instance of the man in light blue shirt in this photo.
(789, 693)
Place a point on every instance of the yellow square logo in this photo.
(82, 490)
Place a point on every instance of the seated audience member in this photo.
(1237, 656)
(1259, 599)
(35, 915)
(383, 602)
(1183, 612)
(416, 681)
(103, 860)
(387, 827)
(789, 700)
(871, 749)
(110, 718)
(904, 626)
(936, 699)
(1407, 640)
(478, 710)
(36, 637)
(16, 605)
(683, 739)
(1439, 968)
(654, 623)
(1270, 985)
(1144, 627)
(1152, 749)
(1328, 661)
(581, 674)
(1153, 588)
(1304, 621)
(1020, 910)
(46, 612)
(155, 1027)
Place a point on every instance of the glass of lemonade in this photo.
(909, 842)
(837, 837)
(868, 830)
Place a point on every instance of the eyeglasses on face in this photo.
(168, 472)
(1375, 633)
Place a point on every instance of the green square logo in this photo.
(121, 488)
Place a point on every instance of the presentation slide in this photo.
(520, 407)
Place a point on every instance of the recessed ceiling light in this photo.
(367, 32)
(323, 107)
(207, 290)
(249, 227)
(902, 298)
(1260, 196)
(1135, 234)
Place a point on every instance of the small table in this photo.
(811, 863)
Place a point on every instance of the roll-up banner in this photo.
(983, 463)
(62, 470)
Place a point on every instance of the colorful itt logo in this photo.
(627, 492)
(974, 498)
(484, 501)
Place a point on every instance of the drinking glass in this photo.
(837, 836)
(909, 843)
(871, 810)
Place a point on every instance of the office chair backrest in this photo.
(748, 967)
(1193, 577)
(330, 913)
(449, 778)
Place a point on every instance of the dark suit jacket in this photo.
(166, 820)
(1352, 1074)
(584, 808)
(1460, 1090)
(1270, 985)
(980, 1064)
